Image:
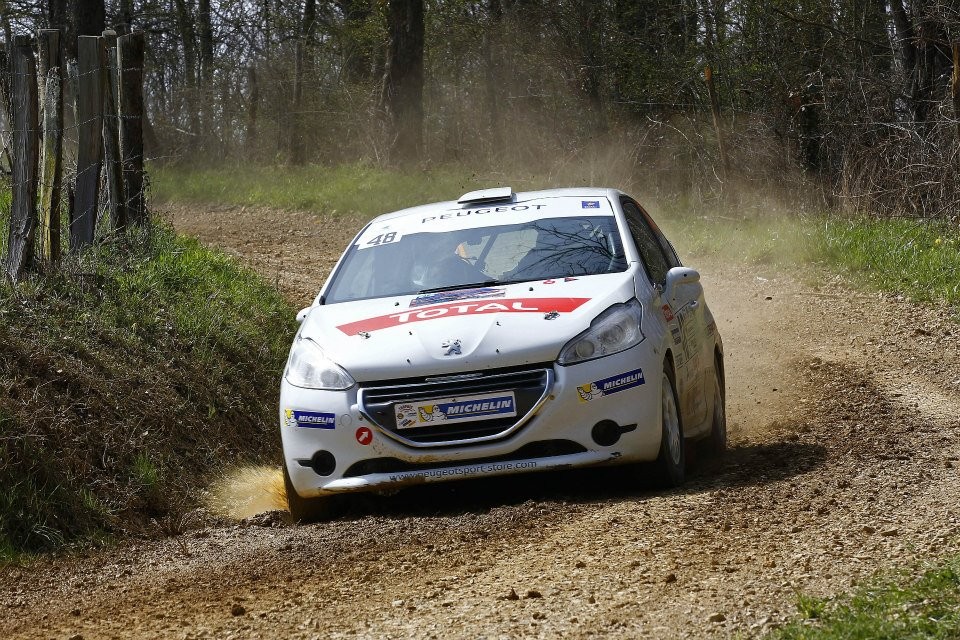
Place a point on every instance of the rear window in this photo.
(393, 264)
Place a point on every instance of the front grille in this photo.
(529, 386)
(532, 450)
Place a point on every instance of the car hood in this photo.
(464, 330)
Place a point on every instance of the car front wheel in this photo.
(718, 432)
(671, 463)
(305, 510)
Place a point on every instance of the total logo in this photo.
(517, 305)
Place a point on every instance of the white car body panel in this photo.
(519, 327)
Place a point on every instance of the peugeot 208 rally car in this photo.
(500, 334)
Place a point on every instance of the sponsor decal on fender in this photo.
(611, 385)
(508, 305)
(677, 335)
(667, 313)
(310, 419)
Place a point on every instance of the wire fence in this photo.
(102, 95)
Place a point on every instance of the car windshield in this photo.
(392, 264)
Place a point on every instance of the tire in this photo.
(304, 510)
(718, 432)
(672, 460)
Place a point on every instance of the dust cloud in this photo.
(247, 491)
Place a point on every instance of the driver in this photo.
(447, 264)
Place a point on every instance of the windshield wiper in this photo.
(468, 285)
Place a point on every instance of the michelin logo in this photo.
(609, 386)
(463, 409)
(310, 419)
(472, 409)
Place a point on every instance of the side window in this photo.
(668, 251)
(649, 247)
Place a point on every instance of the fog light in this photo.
(606, 433)
(323, 463)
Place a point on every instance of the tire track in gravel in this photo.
(845, 455)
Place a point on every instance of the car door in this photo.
(683, 314)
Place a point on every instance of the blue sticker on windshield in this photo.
(590, 204)
(453, 296)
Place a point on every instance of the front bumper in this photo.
(361, 455)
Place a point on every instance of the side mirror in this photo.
(302, 314)
(676, 278)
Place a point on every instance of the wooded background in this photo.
(859, 98)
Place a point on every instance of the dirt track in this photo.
(845, 459)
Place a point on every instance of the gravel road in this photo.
(845, 458)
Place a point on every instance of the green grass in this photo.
(917, 258)
(127, 378)
(354, 189)
(904, 606)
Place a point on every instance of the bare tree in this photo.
(402, 96)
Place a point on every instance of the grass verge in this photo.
(905, 606)
(346, 189)
(915, 258)
(128, 378)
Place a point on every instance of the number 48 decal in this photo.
(383, 238)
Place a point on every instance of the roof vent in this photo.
(487, 195)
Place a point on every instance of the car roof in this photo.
(525, 196)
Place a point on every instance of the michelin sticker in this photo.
(310, 419)
(411, 415)
(611, 385)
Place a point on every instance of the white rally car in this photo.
(499, 334)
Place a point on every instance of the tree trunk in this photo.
(133, 123)
(955, 85)
(591, 47)
(297, 148)
(253, 107)
(357, 64)
(402, 96)
(492, 67)
(90, 17)
(188, 41)
(205, 85)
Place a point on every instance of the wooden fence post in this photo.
(715, 110)
(23, 214)
(90, 145)
(111, 134)
(51, 168)
(130, 50)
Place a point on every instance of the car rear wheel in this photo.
(671, 463)
(306, 509)
(718, 432)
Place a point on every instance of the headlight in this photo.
(309, 368)
(613, 331)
